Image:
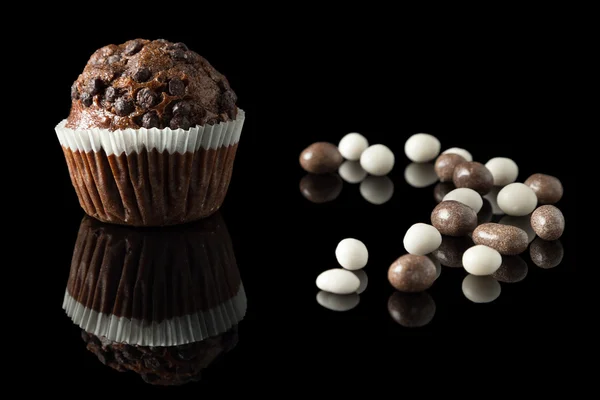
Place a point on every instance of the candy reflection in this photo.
(492, 196)
(321, 188)
(513, 269)
(412, 310)
(377, 189)
(337, 302)
(438, 265)
(352, 172)
(523, 222)
(420, 175)
(451, 250)
(480, 289)
(486, 213)
(363, 278)
(441, 189)
(546, 254)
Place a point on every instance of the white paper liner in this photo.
(172, 332)
(134, 140)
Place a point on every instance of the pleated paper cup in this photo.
(151, 177)
(155, 287)
(164, 366)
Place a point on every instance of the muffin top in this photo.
(149, 84)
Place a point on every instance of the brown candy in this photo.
(450, 252)
(506, 239)
(321, 158)
(513, 269)
(411, 310)
(321, 188)
(547, 188)
(412, 273)
(452, 218)
(473, 175)
(445, 165)
(548, 222)
(546, 254)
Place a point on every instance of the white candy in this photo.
(517, 199)
(520, 222)
(420, 175)
(504, 170)
(352, 172)
(377, 189)
(352, 145)
(421, 239)
(466, 196)
(422, 147)
(377, 160)
(338, 281)
(363, 278)
(351, 254)
(461, 152)
(480, 289)
(337, 302)
(481, 260)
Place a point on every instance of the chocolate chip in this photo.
(142, 75)
(176, 87)
(113, 59)
(146, 98)
(150, 120)
(227, 101)
(177, 46)
(180, 121)
(110, 94)
(74, 92)
(178, 54)
(95, 86)
(124, 106)
(182, 108)
(133, 47)
(86, 99)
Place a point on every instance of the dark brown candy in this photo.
(473, 175)
(445, 164)
(506, 239)
(547, 188)
(95, 86)
(110, 94)
(176, 87)
(142, 75)
(146, 98)
(548, 222)
(321, 158)
(124, 106)
(133, 47)
(86, 99)
(179, 121)
(182, 108)
(452, 218)
(150, 120)
(74, 92)
(412, 273)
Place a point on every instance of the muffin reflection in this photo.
(321, 188)
(546, 254)
(165, 366)
(411, 310)
(154, 287)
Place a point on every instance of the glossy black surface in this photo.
(491, 100)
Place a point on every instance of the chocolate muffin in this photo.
(163, 287)
(149, 84)
(165, 366)
(152, 134)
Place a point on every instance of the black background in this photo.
(495, 92)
